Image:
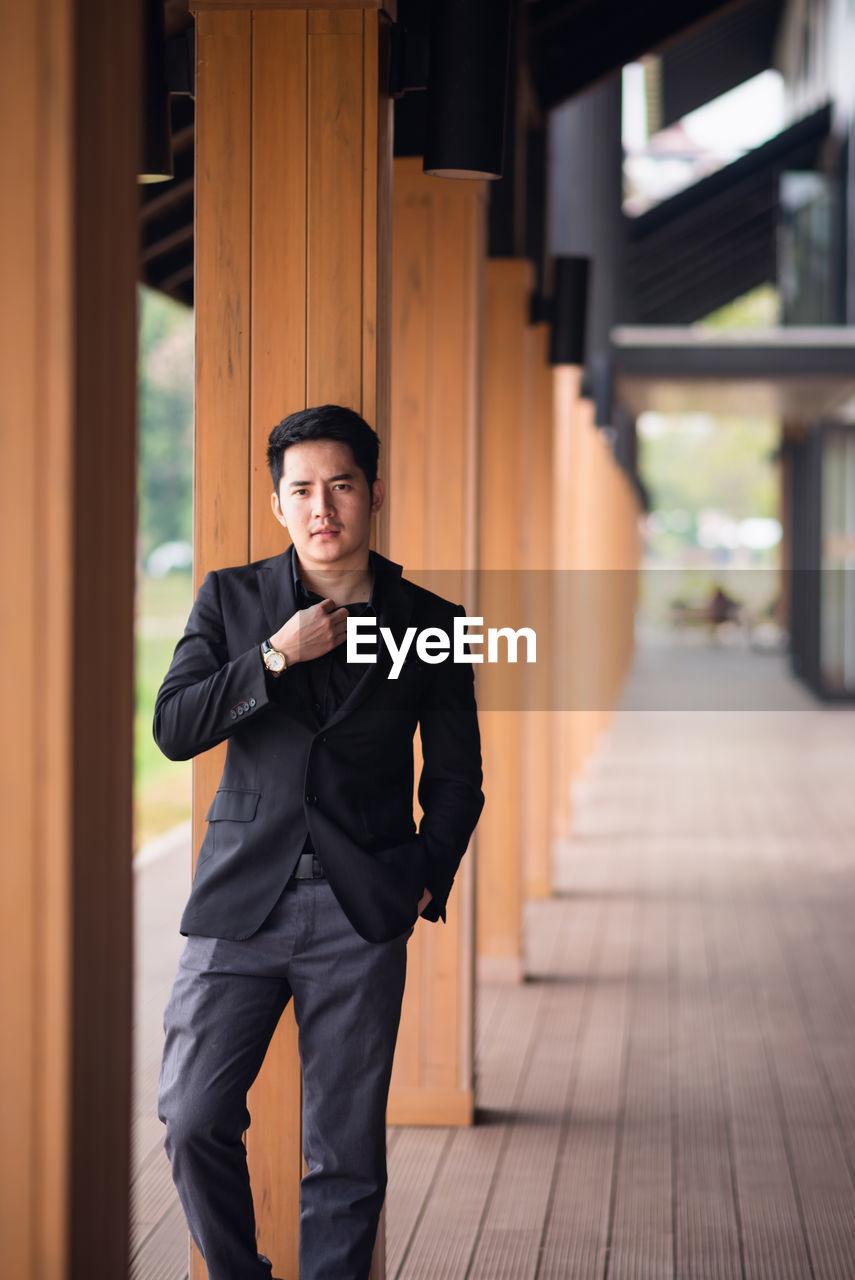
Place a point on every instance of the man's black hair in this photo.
(324, 422)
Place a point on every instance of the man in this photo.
(311, 875)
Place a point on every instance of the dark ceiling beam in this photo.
(167, 244)
(167, 199)
(175, 282)
(576, 43)
(183, 138)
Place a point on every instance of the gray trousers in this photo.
(224, 1007)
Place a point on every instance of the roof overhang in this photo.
(795, 373)
(574, 43)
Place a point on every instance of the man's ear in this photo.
(277, 509)
(378, 494)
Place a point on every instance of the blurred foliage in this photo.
(165, 501)
(758, 309)
(696, 462)
(165, 473)
(162, 787)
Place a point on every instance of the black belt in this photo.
(309, 868)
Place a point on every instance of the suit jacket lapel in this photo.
(276, 587)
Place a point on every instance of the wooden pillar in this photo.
(439, 247)
(69, 93)
(504, 459)
(293, 213)
(584, 637)
(567, 384)
(539, 585)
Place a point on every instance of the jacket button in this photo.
(323, 737)
(233, 715)
(317, 706)
(311, 798)
(252, 702)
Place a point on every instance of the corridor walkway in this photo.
(672, 1092)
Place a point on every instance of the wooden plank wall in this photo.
(539, 717)
(292, 286)
(69, 127)
(437, 307)
(567, 384)
(506, 424)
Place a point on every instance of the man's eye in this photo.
(342, 485)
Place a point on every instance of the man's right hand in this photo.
(311, 632)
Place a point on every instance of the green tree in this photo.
(165, 471)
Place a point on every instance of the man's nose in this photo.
(322, 503)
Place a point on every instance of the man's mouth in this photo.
(325, 533)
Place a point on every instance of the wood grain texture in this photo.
(279, 230)
(67, 486)
(334, 266)
(293, 188)
(436, 312)
(505, 427)
(539, 719)
(221, 511)
(567, 384)
(223, 329)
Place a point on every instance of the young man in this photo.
(311, 875)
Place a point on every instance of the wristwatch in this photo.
(273, 659)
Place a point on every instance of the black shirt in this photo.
(331, 677)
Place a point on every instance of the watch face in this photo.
(273, 660)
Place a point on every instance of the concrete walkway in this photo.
(672, 1092)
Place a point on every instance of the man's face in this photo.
(325, 504)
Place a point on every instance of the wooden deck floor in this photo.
(672, 1092)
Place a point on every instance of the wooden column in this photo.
(597, 547)
(540, 612)
(586, 593)
(293, 215)
(69, 93)
(567, 384)
(504, 461)
(439, 247)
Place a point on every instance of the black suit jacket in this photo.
(348, 781)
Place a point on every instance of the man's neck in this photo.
(344, 586)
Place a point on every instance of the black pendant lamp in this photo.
(156, 158)
(467, 88)
(569, 310)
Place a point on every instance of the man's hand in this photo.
(311, 632)
(424, 900)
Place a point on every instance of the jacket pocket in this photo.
(233, 806)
